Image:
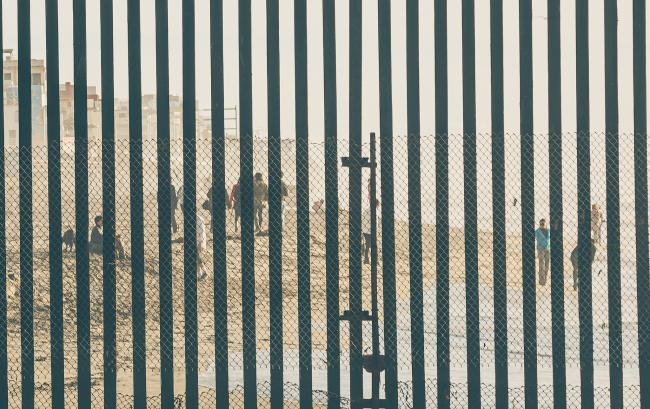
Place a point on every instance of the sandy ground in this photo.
(205, 306)
(205, 309)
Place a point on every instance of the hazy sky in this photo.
(370, 59)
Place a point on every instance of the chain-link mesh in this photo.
(291, 334)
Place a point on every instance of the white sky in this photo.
(370, 60)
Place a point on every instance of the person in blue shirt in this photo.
(543, 237)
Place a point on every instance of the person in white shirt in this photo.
(201, 242)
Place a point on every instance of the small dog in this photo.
(68, 240)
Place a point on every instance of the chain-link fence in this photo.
(295, 331)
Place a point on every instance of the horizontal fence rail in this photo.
(200, 269)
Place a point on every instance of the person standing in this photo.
(543, 237)
(574, 262)
(596, 222)
(234, 202)
(210, 200)
(260, 195)
(201, 242)
(96, 245)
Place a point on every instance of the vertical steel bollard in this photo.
(584, 206)
(302, 203)
(137, 208)
(613, 206)
(247, 215)
(355, 285)
(528, 203)
(641, 197)
(414, 202)
(373, 272)
(387, 202)
(276, 203)
(499, 208)
(54, 204)
(331, 207)
(470, 202)
(26, 228)
(190, 255)
(218, 210)
(81, 203)
(165, 211)
(108, 205)
(442, 205)
(556, 203)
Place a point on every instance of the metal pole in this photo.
(54, 195)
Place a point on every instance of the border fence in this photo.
(403, 272)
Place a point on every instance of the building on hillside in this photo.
(38, 93)
(93, 103)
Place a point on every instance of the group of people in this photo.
(543, 239)
(232, 202)
(96, 243)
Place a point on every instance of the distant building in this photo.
(94, 106)
(93, 103)
(39, 92)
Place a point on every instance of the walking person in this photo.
(234, 202)
(207, 205)
(260, 195)
(543, 237)
(596, 222)
(574, 262)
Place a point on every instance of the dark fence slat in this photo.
(470, 202)
(247, 214)
(414, 203)
(166, 212)
(528, 202)
(276, 222)
(302, 204)
(81, 203)
(4, 378)
(584, 206)
(54, 202)
(499, 209)
(641, 197)
(218, 209)
(387, 203)
(355, 199)
(108, 205)
(137, 207)
(613, 206)
(442, 205)
(556, 203)
(25, 203)
(190, 255)
(331, 207)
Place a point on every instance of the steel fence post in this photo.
(190, 256)
(331, 207)
(387, 202)
(584, 206)
(641, 197)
